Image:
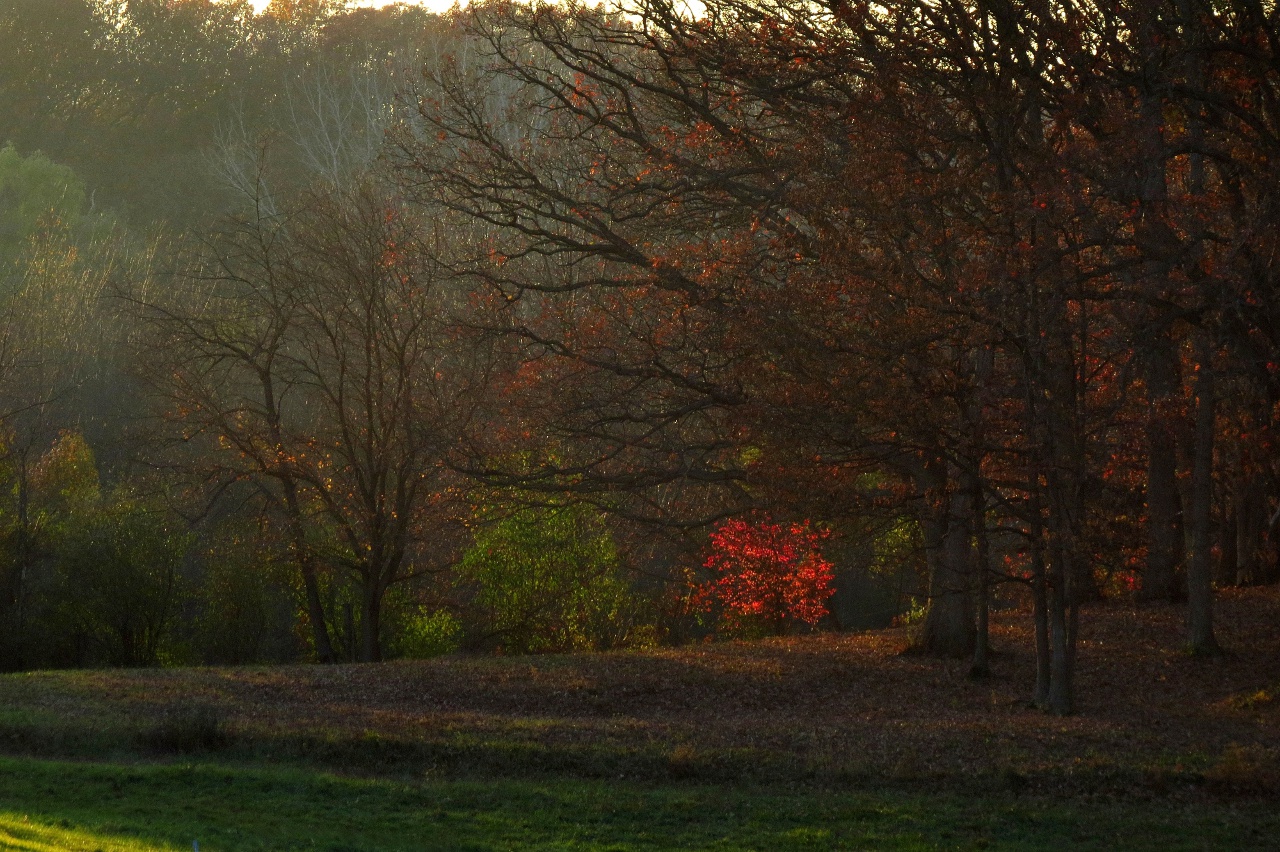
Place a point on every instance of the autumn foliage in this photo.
(767, 570)
(990, 289)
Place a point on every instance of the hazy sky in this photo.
(437, 5)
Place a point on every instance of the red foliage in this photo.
(768, 570)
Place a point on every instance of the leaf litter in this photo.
(830, 707)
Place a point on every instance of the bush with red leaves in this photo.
(768, 572)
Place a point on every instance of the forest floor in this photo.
(765, 729)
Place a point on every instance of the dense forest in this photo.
(340, 334)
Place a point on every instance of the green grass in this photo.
(137, 806)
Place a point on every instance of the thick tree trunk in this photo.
(1165, 550)
(948, 624)
(1200, 566)
(1164, 504)
(1200, 557)
(1060, 698)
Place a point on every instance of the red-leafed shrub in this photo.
(769, 572)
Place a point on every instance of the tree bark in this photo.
(1164, 504)
(307, 568)
(1164, 549)
(948, 625)
(1040, 609)
(1061, 654)
(1060, 698)
(982, 573)
(1201, 638)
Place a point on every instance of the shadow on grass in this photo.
(500, 755)
(120, 806)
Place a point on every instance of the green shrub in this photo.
(118, 570)
(547, 580)
(430, 634)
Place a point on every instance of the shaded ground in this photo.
(832, 708)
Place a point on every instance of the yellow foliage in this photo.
(300, 11)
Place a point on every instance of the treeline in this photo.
(473, 326)
(174, 177)
(243, 395)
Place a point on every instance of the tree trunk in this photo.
(1060, 654)
(1271, 540)
(371, 621)
(1064, 574)
(948, 624)
(1200, 557)
(982, 572)
(1075, 571)
(1040, 608)
(1060, 703)
(1164, 505)
(984, 366)
(310, 582)
(1200, 566)
(1165, 552)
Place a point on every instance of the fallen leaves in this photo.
(828, 704)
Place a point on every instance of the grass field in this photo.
(61, 805)
(825, 742)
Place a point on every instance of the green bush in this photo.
(430, 634)
(37, 192)
(547, 580)
(118, 570)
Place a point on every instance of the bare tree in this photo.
(312, 355)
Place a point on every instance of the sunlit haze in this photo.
(434, 5)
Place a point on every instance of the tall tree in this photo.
(312, 350)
